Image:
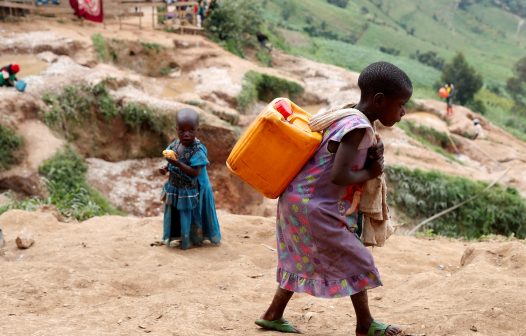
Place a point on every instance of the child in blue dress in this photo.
(189, 211)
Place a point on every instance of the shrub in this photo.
(339, 3)
(437, 141)
(99, 43)
(69, 191)
(105, 102)
(10, 144)
(258, 86)
(82, 103)
(429, 58)
(264, 57)
(420, 195)
(390, 51)
(235, 24)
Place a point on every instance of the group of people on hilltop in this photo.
(202, 10)
(319, 247)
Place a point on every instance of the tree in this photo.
(516, 85)
(235, 23)
(466, 80)
(339, 3)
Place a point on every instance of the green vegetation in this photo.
(99, 43)
(10, 144)
(258, 86)
(69, 192)
(516, 86)
(435, 140)
(89, 117)
(139, 116)
(28, 204)
(156, 47)
(422, 194)
(234, 24)
(466, 80)
(339, 3)
(419, 36)
(264, 57)
(78, 105)
(147, 58)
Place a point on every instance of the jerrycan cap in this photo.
(284, 108)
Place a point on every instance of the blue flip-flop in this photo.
(281, 325)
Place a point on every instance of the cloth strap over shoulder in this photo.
(321, 121)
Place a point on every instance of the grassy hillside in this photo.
(484, 30)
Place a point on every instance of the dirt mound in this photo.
(135, 186)
(102, 275)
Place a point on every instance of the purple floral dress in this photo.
(318, 253)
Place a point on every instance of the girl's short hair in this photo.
(383, 77)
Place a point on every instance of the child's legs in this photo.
(196, 230)
(360, 302)
(278, 305)
(185, 220)
(171, 223)
(167, 222)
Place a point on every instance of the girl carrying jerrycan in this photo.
(318, 240)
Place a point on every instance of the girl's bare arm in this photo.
(342, 173)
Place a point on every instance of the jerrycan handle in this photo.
(284, 108)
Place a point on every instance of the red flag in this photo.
(88, 9)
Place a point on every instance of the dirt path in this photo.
(102, 277)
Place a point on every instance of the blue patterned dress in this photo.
(189, 211)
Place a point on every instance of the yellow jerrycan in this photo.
(274, 148)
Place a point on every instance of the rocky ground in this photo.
(102, 277)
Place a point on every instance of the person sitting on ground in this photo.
(8, 74)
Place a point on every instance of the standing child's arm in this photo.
(186, 168)
(342, 172)
(163, 170)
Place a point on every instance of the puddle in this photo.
(29, 64)
(175, 87)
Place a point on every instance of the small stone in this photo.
(441, 267)
(24, 240)
(308, 316)
(473, 328)
(2, 241)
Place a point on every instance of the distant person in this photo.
(8, 74)
(189, 210)
(263, 41)
(479, 131)
(211, 7)
(202, 10)
(450, 89)
(319, 248)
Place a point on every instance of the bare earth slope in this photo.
(102, 277)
